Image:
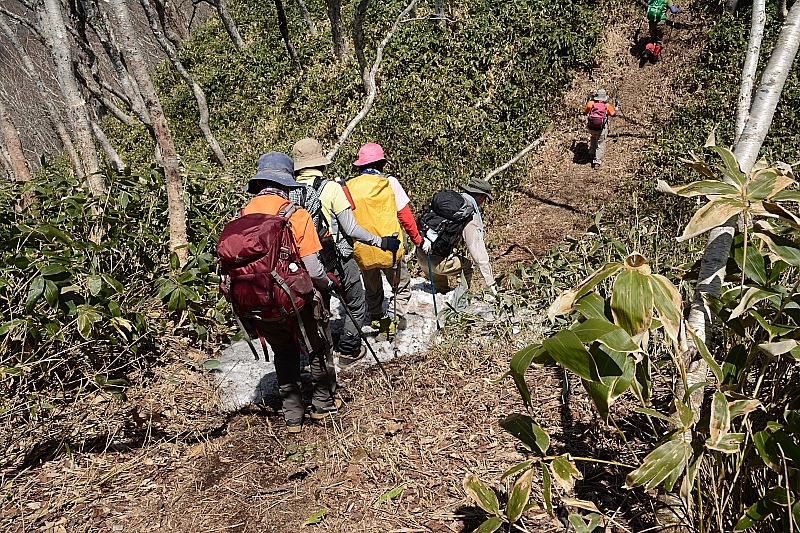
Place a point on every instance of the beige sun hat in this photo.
(307, 153)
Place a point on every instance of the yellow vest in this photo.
(376, 212)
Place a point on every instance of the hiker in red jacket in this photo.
(598, 110)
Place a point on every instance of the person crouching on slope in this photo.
(382, 208)
(309, 165)
(448, 220)
(273, 180)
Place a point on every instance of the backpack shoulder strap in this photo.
(288, 211)
(319, 183)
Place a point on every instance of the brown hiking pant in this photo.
(285, 339)
(444, 267)
(373, 285)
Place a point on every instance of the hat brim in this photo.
(600, 99)
(467, 188)
(281, 178)
(363, 162)
(320, 161)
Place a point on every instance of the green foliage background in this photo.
(451, 104)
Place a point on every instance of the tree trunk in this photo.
(337, 31)
(166, 155)
(13, 147)
(108, 39)
(750, 66)
(371, 73)
(54, 29)
(230, 26)
(198, 93)
(439, 13)
(172, 20)
(113, 157)
(312, 28)
(358, 44)
(769, 90)
(781, 10)
(283, 25)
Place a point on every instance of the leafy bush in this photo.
(735, 461)
(89, 291)
(451, 103)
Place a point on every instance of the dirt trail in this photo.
(563, 192)
(440, 422)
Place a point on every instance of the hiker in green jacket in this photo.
(657, 17)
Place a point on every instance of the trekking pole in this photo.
(433, 292)
(245, 334)
(363, 337)
(396, 280)
(340, 268)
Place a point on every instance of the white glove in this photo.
(426, 246)
(493, 288)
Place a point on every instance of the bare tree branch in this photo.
(520, 155)
(230, 25)
(13, 146)
(22, 20)
(116, 161)
(198, 93)
(312, 28)
(371, 75)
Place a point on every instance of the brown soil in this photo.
(178, 464)
(563, 193)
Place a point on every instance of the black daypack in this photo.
(444, 219)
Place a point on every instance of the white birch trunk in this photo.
(53, 27)
(712, 266)
(750, 66)
(166, 155)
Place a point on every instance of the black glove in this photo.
(390, 244)
(336, 284)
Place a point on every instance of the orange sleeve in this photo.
(305, 234)
(588, 107)
(610, 110)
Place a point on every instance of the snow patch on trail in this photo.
(243, 380)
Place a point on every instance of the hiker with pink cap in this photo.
(382, 208)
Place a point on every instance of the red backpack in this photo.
(597, 116)
(263, 276)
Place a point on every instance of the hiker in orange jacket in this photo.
(598, 110)
(271, 184)
(382, 208)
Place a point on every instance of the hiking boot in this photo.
(321, 413)
(595, 166)
(294, 425)
(346, 359)
(384, 324)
